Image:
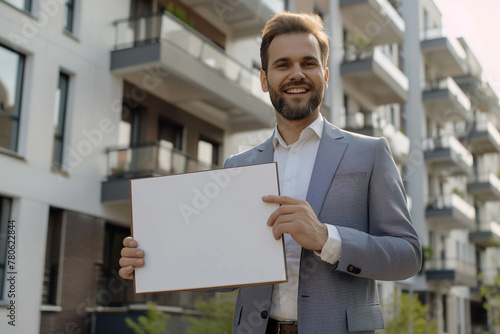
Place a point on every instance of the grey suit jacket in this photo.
(355, 186)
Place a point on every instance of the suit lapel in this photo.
(330, 152)
(265, 152)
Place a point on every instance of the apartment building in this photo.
(453, 183)
(95, 93)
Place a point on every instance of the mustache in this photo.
(295, 84)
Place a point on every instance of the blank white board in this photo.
(206, 229)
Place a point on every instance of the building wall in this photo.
(82, 247)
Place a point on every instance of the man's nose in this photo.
(297, 73)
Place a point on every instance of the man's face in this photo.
(296, 79)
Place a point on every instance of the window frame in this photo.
(57, 218)
(69, 25)
(62, 115)
(27, 7)
(16, 113)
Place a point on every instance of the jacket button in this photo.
(353, 269)
(264, 314)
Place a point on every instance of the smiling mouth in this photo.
(296, 91)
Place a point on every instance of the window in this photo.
(170, 160)
(5, 205)
(113, 243)
(52, 256)
(11, 82)
(208, 152)
(60, 120)
(70, 15)
(21, 4)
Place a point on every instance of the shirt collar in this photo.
(315, 127)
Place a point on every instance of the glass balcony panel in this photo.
(485, 187)
(446, 102)
(362, 15)
(453, 270)
(447, 212)
(487, 233)
(444, 54)
(178, 35)
(150, 159)
(449, 155)
(372, 78)
(391, 68)
(485, 138)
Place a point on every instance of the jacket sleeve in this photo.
(390, 248)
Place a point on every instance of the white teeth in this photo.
(296, 91)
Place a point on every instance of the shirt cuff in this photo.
(332, 250)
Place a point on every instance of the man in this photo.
(344, 216)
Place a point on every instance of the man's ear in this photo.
(263, 81)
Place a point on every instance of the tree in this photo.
(216, 315)
(155, 322)
(490, 291)
(407, 315)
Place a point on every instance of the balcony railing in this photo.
(458, 152)
(451, 264)
(380, 58)
(454, 202)
(485, 187)
(165, 28)
(150, 160)
(490, 178)
(485, 137)
(436, 33)
(360, 14)
(450, 85)
(489, 225)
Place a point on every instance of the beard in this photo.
(295, 109)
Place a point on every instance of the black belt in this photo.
(281, 327)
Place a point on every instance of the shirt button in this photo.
(264, 314)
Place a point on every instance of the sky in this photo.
(478, 21)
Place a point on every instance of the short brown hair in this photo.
(288, 23)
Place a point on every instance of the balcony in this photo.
(244, 17)
(485, 187)
(398, 142)
(372, 79)
(444, 54)
(448, 155)
(162, 55)
(374, 20)
(446, 102)
(445, 213)
(143, 161)
(484, 138)
(453, 271)
(481, 93)
(487, 234)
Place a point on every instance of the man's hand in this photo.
(132, 257)
(297, 218)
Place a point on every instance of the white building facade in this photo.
(95, 93)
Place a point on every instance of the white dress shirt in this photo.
(295, 166)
